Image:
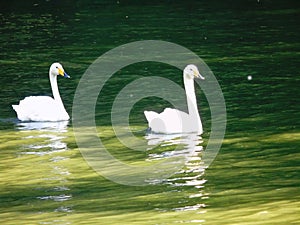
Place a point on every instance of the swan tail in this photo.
(17, 110)
(22, 114)
(150, 115)
(15, 107)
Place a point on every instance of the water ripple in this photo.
(56, 198)
(190, 208)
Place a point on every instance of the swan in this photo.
(172, 121)
(44, 108)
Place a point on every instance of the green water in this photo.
(254, 178)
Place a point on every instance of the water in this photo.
(253, 180)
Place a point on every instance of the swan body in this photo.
(172, 121)
(44, 108)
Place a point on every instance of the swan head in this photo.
(191, 71)
(57, 69)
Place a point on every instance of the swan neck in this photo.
(192, 104)
(191, 97)
(54, 87)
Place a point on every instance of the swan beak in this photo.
(63, 73)
(198, 75)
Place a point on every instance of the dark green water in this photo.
(254, 178)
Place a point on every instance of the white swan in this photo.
(172, 121)
(44, 108)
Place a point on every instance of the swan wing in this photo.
(169, 121)
(176, 121)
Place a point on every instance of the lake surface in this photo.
(251, 46)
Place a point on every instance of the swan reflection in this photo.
(45, 140)
(191, 144)
(60, 126)
(191, 174)
(184, 145)
(48, 135)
